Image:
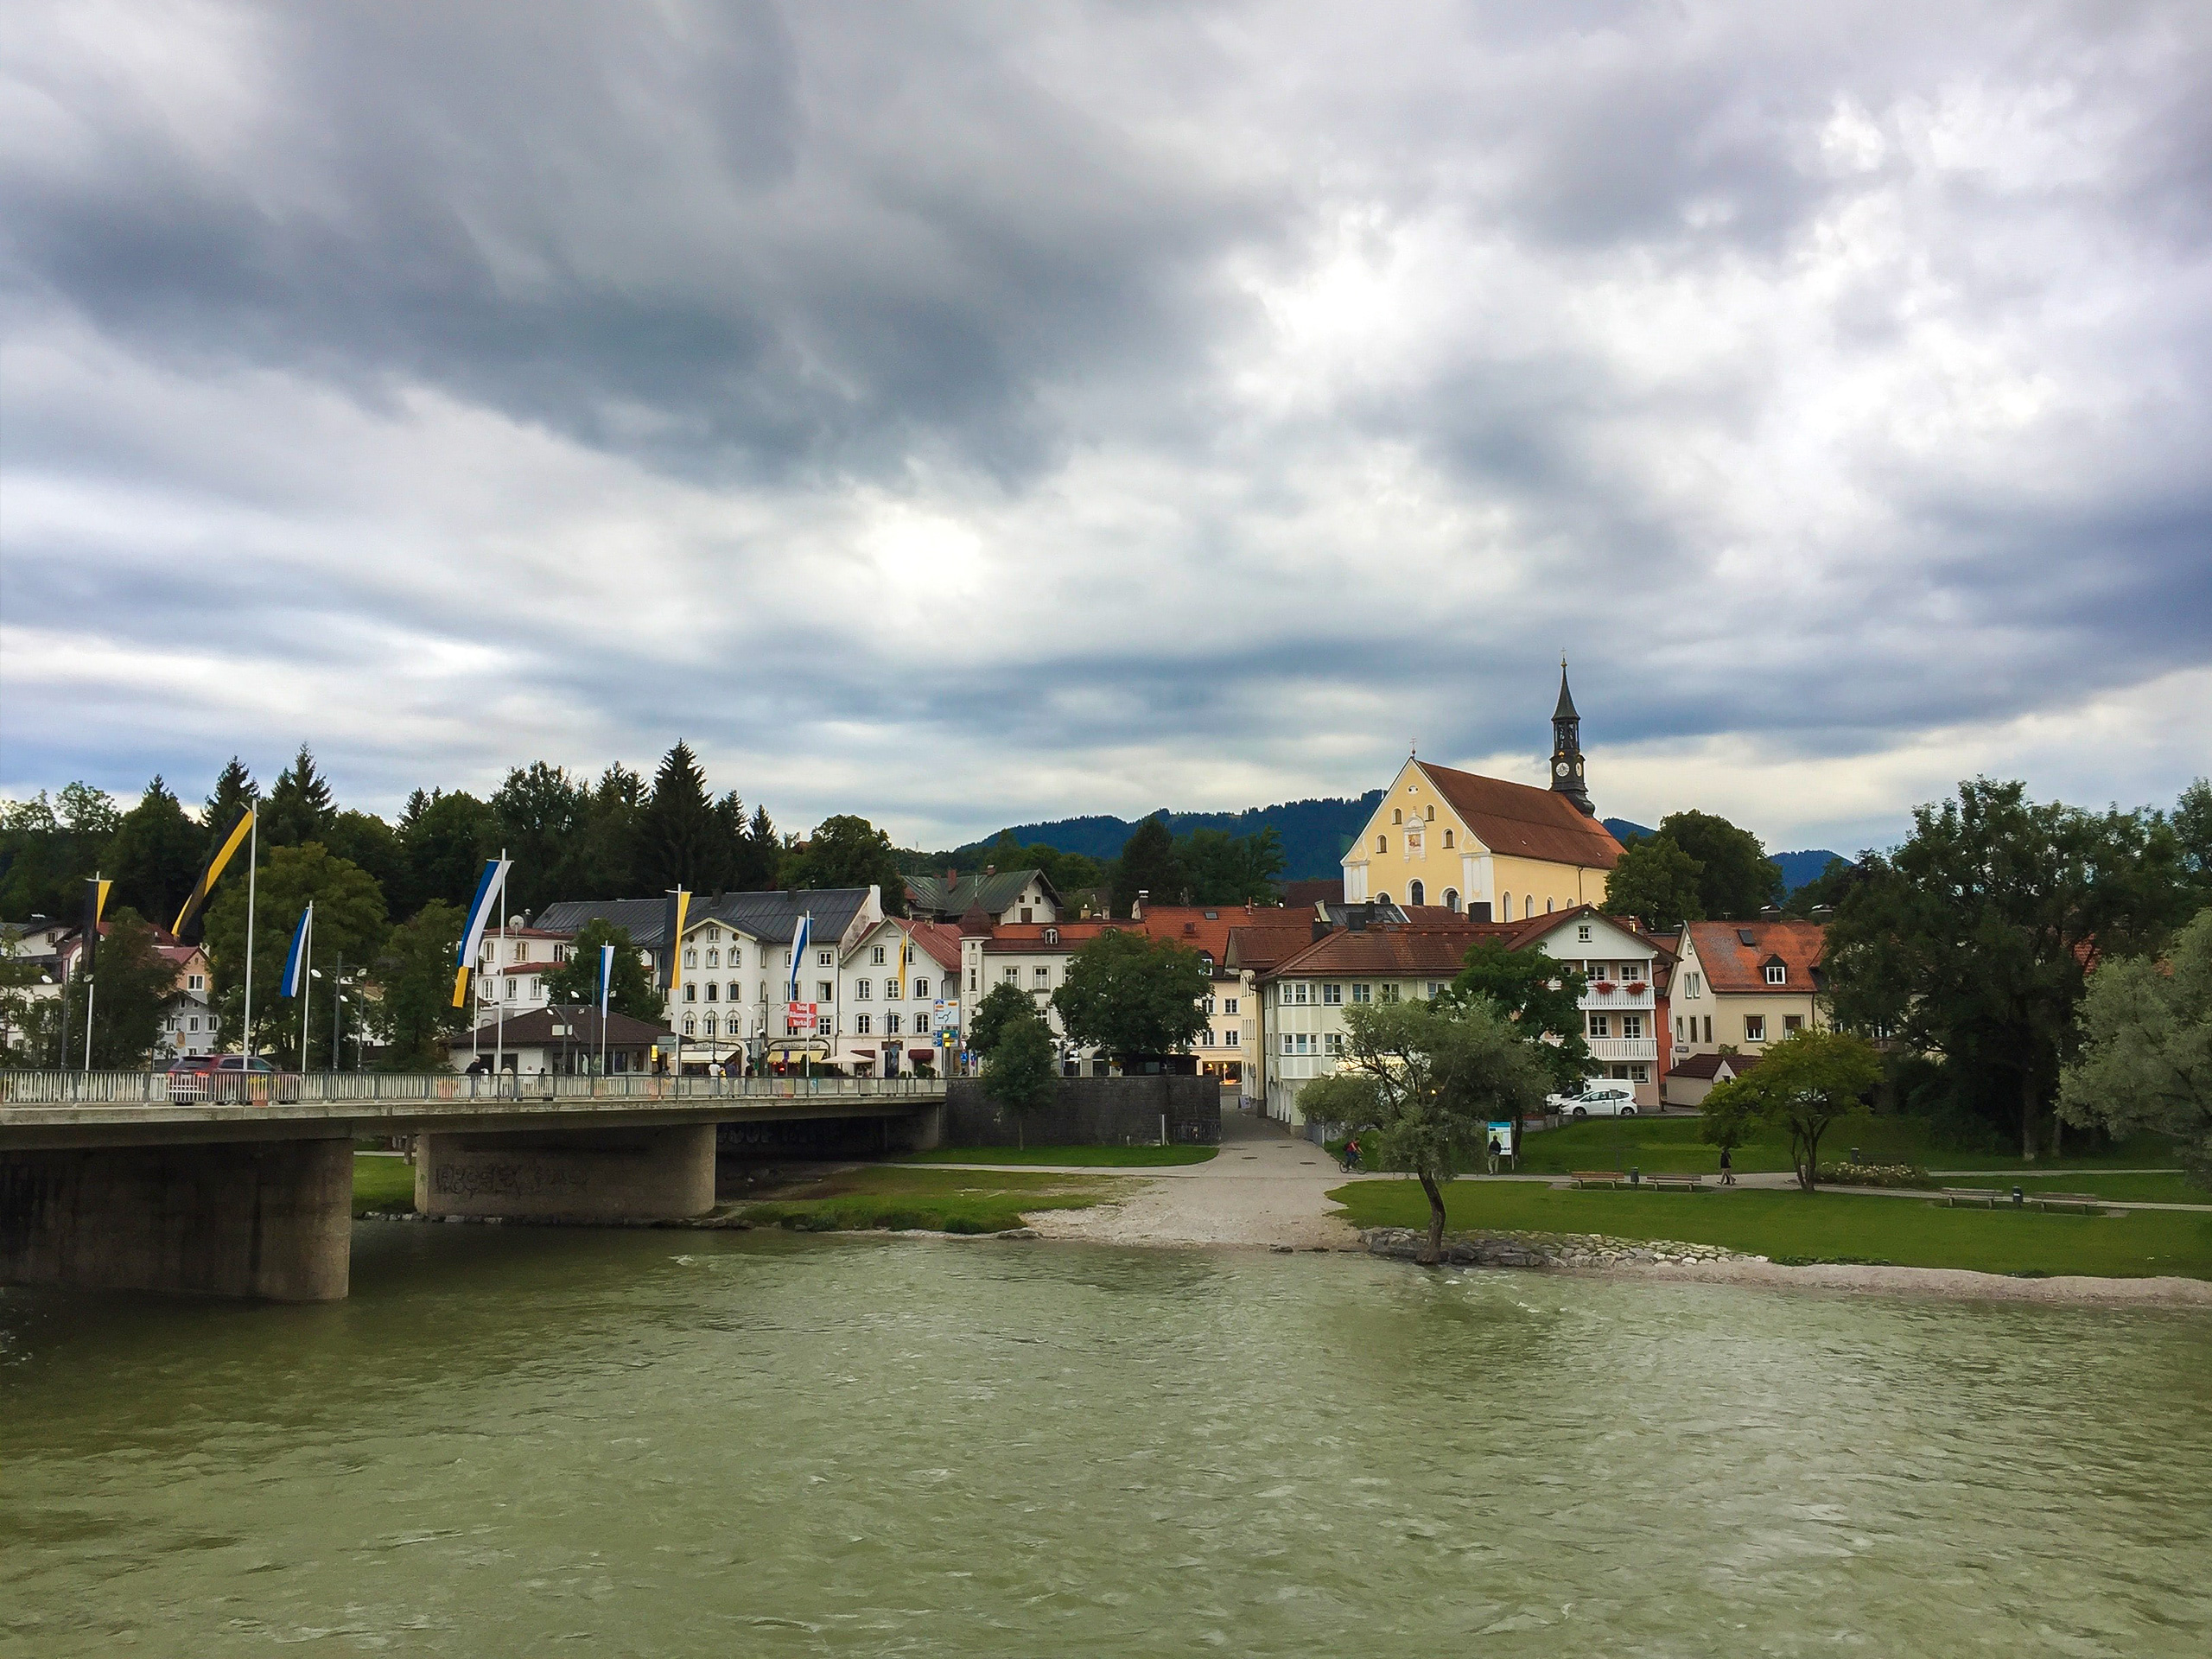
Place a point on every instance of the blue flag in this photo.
(296, 963)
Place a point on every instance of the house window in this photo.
(709, 1027)
(824, 959)
(1776, 973)
(1435, 990)
(1633, 1026)
(714, 991)
(714, 958)
(691, 993)
(1447, 841)
(1014, 975)
(971, 979)
(195, 981)
(1792, 1022)
(737, 992)
(921, 1025)
(1381, 843)
(1390, 992)
(890, 1024)
(1040, 977)
(1504, 906)
(1206, 1002)
(1228, 1006)
(1451, 900)
(1416, 894)
(863, 1024)
(193, 1024)
(690, 958)
(1286, 1042)
(1601, 1025)
(713, 934)
(1052, 936)
(1693, 985)
(891, 990)
(1429, 812)
(1333, 1042)
(1582, 934)
(1330, 995)
(824, 991)
(1755, 1027)
(1547, 907)
(1362, 994)
(921, 990)
(1397, 815)
(875, 958)
(863, 990)
(1205, 1036)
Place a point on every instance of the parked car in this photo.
(1598, 1100)
(231, 1077)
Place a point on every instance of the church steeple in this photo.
(1567, 748)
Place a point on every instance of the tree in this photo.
(576, 980)
(365, 839)
(234, 792)
(27, 1027)
(2145, 1060)
(130, 987)
(1972, 941)
(413, 1012)
(446, 838)
(849, 852)
(48, 847)
(1427, 1079)
(2192, 827)
(1220, 868)
(1134, 997)
(1657, 882)
(760, 863)
(300, 808)
(349, 924)
(1803, 1082)
(1539, 997)
(609, 866)
(1021, 1075)
(156, 856)
(1735, 879)
(1001, 1006)
(1829, 889)
(539, 811)
(680, 842)
(1149, 864)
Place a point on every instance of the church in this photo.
(1489, 850)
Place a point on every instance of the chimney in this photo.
(1321, 930)
(1769, 914)
(990, 870)
(1823, 912)
(1136, 911)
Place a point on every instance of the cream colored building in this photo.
(1742, 985)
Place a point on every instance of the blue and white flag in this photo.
(606, 974)
(295, 963)
(488, 889)
(800, 934)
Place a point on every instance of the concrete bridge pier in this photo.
(272, 1219)
(646, 1173)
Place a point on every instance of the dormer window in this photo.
(1776, 973)
(1052, 936)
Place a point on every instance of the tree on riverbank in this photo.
(1803, 1083)
(1135, 997)
(1022, 1074)
(2146, 1049)
(1541, 995)
(1427, 1079)
(1000, 1007)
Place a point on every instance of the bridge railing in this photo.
(335, 1087)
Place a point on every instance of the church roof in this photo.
(1566, 709)
(1524, 821)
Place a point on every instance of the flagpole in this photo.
(307, 984)
(252, 871)
(499, 1035)
(605, 974)
(92, 990)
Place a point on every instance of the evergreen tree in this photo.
(446, 846)
(608, 868)
(760, 862)
(679, 842)
(156, 856)
(365, 839)
(234, 792)
(300, 808)
(1149, 864)
(540, 812)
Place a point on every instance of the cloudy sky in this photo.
(966, 414)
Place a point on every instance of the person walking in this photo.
(1495, 1153)
(1727, 1167)
(1352, 1154)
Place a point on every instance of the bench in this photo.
(2076, 1204)
(1967, 1198)
(1598, 1178)
(1676, 1183)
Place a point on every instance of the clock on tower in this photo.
(1567, 748)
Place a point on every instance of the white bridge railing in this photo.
(320, 1088)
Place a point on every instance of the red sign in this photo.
(800, 1016)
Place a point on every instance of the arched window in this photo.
(690, 958)
(1381, 898)
(1397, 815)
(1504, 906)
(714, 958)
(1547, 907)
(1448, 838)
(1451, 900)
(1381, 843)
(736, 994)
(691, 1027)
(1415, 894)
(710, 1025)
(1429, 812)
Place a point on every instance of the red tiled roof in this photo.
(938, 940)
(1432, 952)
(1524, 822)
(1707, 1065)
(1733, 968)
(1030, 935)
(1207, 927)
(1310, 893)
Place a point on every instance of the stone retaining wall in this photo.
(1091, 1112)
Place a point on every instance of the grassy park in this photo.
(381, 1183)
(1821, 1227)
(946, 1201)
(1067, 1157)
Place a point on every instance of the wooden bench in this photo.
(1598, 1178)
(2077, 1204)
(1676, 1183)
(1967, 1198)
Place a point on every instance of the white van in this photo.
(1600, 1099)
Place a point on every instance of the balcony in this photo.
(1613, 1050)
(1618, 997)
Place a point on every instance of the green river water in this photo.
(533, 1442)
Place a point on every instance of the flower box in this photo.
(1602, 987)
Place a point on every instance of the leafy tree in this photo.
(1220, 868)
(131, 985)
(349, 922)
(609, 866)
(300, 807)
(1133, 996)
(1657, 883)
(539, 811)
(1972, 940)
(413, 1012)
(156, 856)
(2145, 1060)
(1149, 864)
(2192, 827)
(446, 838)
(1428, 1079)
(576, 980)
(234, 792)
(1004, 1004)
(365, 839)
(1803, 1082)
(681, 844)
(1829, 888)
(1735, 879)
(1540, 998)
(27, 1027)
(1021, 1076)
(48, 847)
(850, 852)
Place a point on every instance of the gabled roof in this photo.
(1206, 927)
(768, 916)
(997, 890)
(1522, 822)
(534, 1030)
(1709, 1065)
(938, 941)
(1066, 936)
(1733, 955)
(1432, 952)
(1267, 937)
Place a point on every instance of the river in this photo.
(531, 1442)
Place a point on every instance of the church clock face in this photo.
(1560, 768)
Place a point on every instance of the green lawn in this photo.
(946, 1201)
(2170, 1188)
(1828, 1226)
(382, 1184)
(1073, 1157)
(1670, 1144)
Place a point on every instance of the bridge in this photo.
(136, 1180)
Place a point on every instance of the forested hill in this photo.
(1314, 833)
(1797, 868)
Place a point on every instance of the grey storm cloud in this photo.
(968, 412)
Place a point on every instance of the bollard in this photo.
(2018, 1197)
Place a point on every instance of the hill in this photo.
(1314, 833)
(1797, 868)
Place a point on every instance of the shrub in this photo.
(1850, 1174)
